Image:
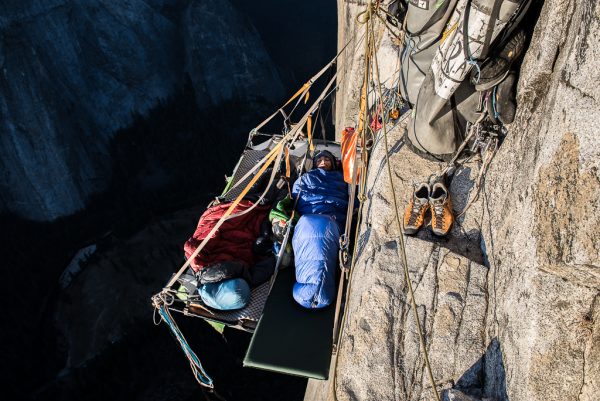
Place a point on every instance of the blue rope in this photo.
(496, 114)
(474, 63)
(202, 377)
(408, 48)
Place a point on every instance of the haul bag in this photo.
(425, 21)
(446, 100)
(289, 338)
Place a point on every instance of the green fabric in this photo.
(289, 338)
(283, 210)
(229, 184)
(182, 293)
(219, 327)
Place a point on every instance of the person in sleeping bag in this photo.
(322, 203)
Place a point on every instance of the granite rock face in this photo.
(509, 301)
(542, 212)
(225, 57)
(74, 73)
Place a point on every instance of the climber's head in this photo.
(325, 160)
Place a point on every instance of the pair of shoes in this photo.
(429, 197)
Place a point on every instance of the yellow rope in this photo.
(403, 246)
(362, 132)
(447, 33)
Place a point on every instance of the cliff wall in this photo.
(74, 73)
(509, 301)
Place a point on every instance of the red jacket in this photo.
(232, 241)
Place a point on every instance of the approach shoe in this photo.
(494, 69)
(414, 214)
(441, 209)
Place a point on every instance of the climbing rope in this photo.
(399, 37)
(363, 117)
(370, 53)
(347, 275)
(403, 249)
(199, 373)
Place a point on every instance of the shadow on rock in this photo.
(485, 380)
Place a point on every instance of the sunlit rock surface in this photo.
(73, 73)
(509, 302)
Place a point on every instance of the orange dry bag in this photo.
(349, 151)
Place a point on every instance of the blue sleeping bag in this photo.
(322, 203)
(322, 192)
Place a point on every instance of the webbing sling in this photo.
(272, 155)
(266, 161)
(304, 89)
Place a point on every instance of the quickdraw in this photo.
(344, 254)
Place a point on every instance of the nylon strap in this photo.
(266, 161)
(307, 85)
(288, 172)
(311, 145)
(227, 213)
(300, 91)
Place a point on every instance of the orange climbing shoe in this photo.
(414, 214)
(441, 209)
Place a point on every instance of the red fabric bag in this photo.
(232, 241)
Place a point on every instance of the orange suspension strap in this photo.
(311, 145)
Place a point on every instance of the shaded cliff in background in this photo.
(74, 73)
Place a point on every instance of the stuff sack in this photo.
(233, 241)
(349, 155)
(315, 243)
(446, 100)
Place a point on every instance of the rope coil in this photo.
(199, 373)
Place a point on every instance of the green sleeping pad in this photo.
(289, 338)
